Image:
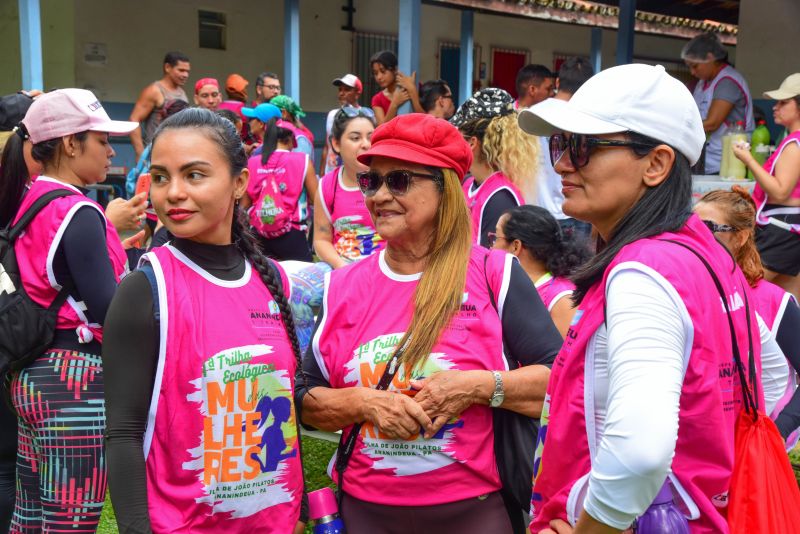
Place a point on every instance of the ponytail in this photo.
(270, 140)
(244, 240)
(13, 178)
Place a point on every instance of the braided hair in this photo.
(223, 133)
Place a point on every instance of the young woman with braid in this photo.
(201, 355)
(504, 159)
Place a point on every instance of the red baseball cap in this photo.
(350, 80)
(421, 139)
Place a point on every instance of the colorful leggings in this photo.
(61, 464)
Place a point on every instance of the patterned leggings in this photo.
(61, 464)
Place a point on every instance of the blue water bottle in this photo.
(324, 512)
(662, 517)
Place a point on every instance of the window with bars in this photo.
(365, 46)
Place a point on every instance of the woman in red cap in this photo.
(408, 353)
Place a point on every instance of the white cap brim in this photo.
(780, 94)
(115, 127)
(554, 115)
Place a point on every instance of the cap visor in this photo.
(115, 127)
(401, 151)
(554, 115)
(777, 94)
(249, 112)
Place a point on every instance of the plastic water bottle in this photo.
(737, 170)
(759, 145)
(724, 166)
(662, 517)
(324, 512)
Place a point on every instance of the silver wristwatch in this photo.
(499, 395)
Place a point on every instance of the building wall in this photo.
(768, 37)
(136, 35)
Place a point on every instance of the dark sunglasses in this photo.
(718, 228)
(353, 112)
(580, 147)
(398, 182)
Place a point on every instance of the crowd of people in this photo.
(512, 310)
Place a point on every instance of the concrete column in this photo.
(30, 36)
(627, 20)
(291, 48)
(466, 66)
(408, 32)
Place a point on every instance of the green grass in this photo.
(316, 455)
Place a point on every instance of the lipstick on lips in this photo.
(178, 214)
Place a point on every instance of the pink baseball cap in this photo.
(205, 81)
(70, 111)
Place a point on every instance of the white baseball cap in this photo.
(790, 88)
(636, 98)
(350, 80)
(70, 111)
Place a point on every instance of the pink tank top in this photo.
(221, 445)
(289, 172)
(363, 322)
(711, 396)
(478, 198)
(36, 249)
(760, 196)
(552, 289)
(354, 234)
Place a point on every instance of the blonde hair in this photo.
(506, 148)
(439, 292)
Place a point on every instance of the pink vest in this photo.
(704, 95)
(354, 234)
(37, 246)
(760, 196)
(363, 322)
(770, 302)
(478, 198)
(221, 445)
(553, 289)
(710, 397)
(289, 172)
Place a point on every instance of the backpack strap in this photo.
(35, 208)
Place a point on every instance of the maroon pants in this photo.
(479, 515)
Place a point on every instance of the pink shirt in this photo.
(221, 444)
(354, 234)
(36, 248)
(552, 289)
(362, 324)
(288, 171)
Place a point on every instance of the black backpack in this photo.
(26, 329)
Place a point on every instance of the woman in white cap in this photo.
(69, 257)
(721, 93)
(648, 357)
(777, 192)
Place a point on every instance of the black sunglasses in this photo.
(398, 182)
(580, 147)
(718, 228)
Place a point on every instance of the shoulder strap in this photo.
(35, 208)
(750, 391)
(489, 287)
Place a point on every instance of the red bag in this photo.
(764, 496)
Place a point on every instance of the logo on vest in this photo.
(6, 284)
(405, 457)
(248, 432)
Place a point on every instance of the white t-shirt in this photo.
(548, 183)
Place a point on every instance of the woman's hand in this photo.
(742, 152)
(446, 394)
(127, 215)
(134, 241)
(395, 414)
